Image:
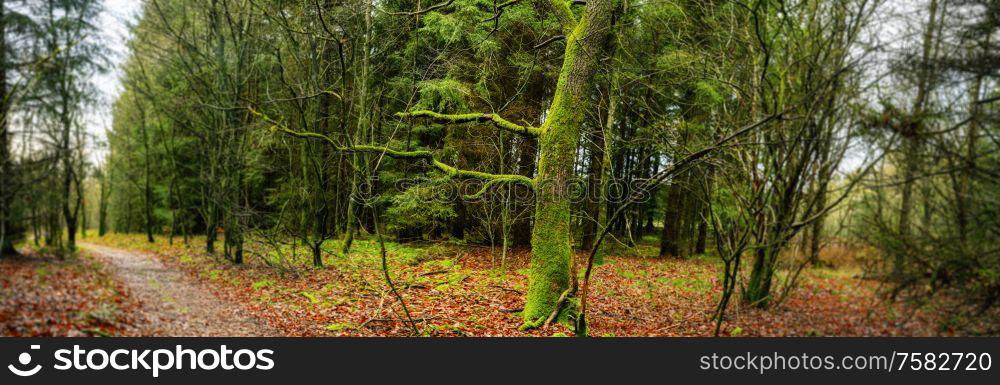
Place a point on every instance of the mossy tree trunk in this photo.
(550, 241)
(758, 290)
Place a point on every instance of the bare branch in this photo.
(499, 9)
(549, 41)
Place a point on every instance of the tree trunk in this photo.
(67, 178)
(670, 235)
(520, 230)
(238, 255)
(8, 229)
(551, 250)
(461, 217)
(211, 230)
(699, 246)
(815, 234)
(595, 172)
(964, 182)
(352, 221)
(102, 214)
(906, 196)
(147, 189)
(102, 206)
(759, 287)
(911, 136)
(83, 216)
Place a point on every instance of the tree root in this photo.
(559, 306)
(544, 323)
(528, 325)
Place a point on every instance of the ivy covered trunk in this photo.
(551, 248)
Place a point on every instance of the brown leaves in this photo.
(459, 292)
(638, 296)
(43, 296)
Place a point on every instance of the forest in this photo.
(501, 168)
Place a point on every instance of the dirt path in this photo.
(174, 304)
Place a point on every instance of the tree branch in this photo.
(419, 11)
(473, 117)
(451, 171)
(549, 41)
(562, 12)
(499, 9)
(651, 183)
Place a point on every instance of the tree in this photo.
(8, 225)
(775, 184)
(558, 137)
(940, 246)
(66, 29)
(19, 71)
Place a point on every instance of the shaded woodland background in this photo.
(774, 140)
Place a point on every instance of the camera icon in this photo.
(24, 359)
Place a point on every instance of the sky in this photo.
(114, 28)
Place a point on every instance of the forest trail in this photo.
(174, 304)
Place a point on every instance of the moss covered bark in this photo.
(549, 275)
(758, 290)
(473, 117)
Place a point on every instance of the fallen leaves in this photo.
(44, 296)
(458, 291)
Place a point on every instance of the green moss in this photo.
(441, 263)
(550, 242)
(550, 264)
(569, 313)
(497, 120)
(340, 326)
(409, 260)
(527, 325)
(697, 284)
(563, 13)
(312, 298)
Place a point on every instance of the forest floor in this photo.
(175, 304)
(102, 291)
(449, 290)
(41, 295)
